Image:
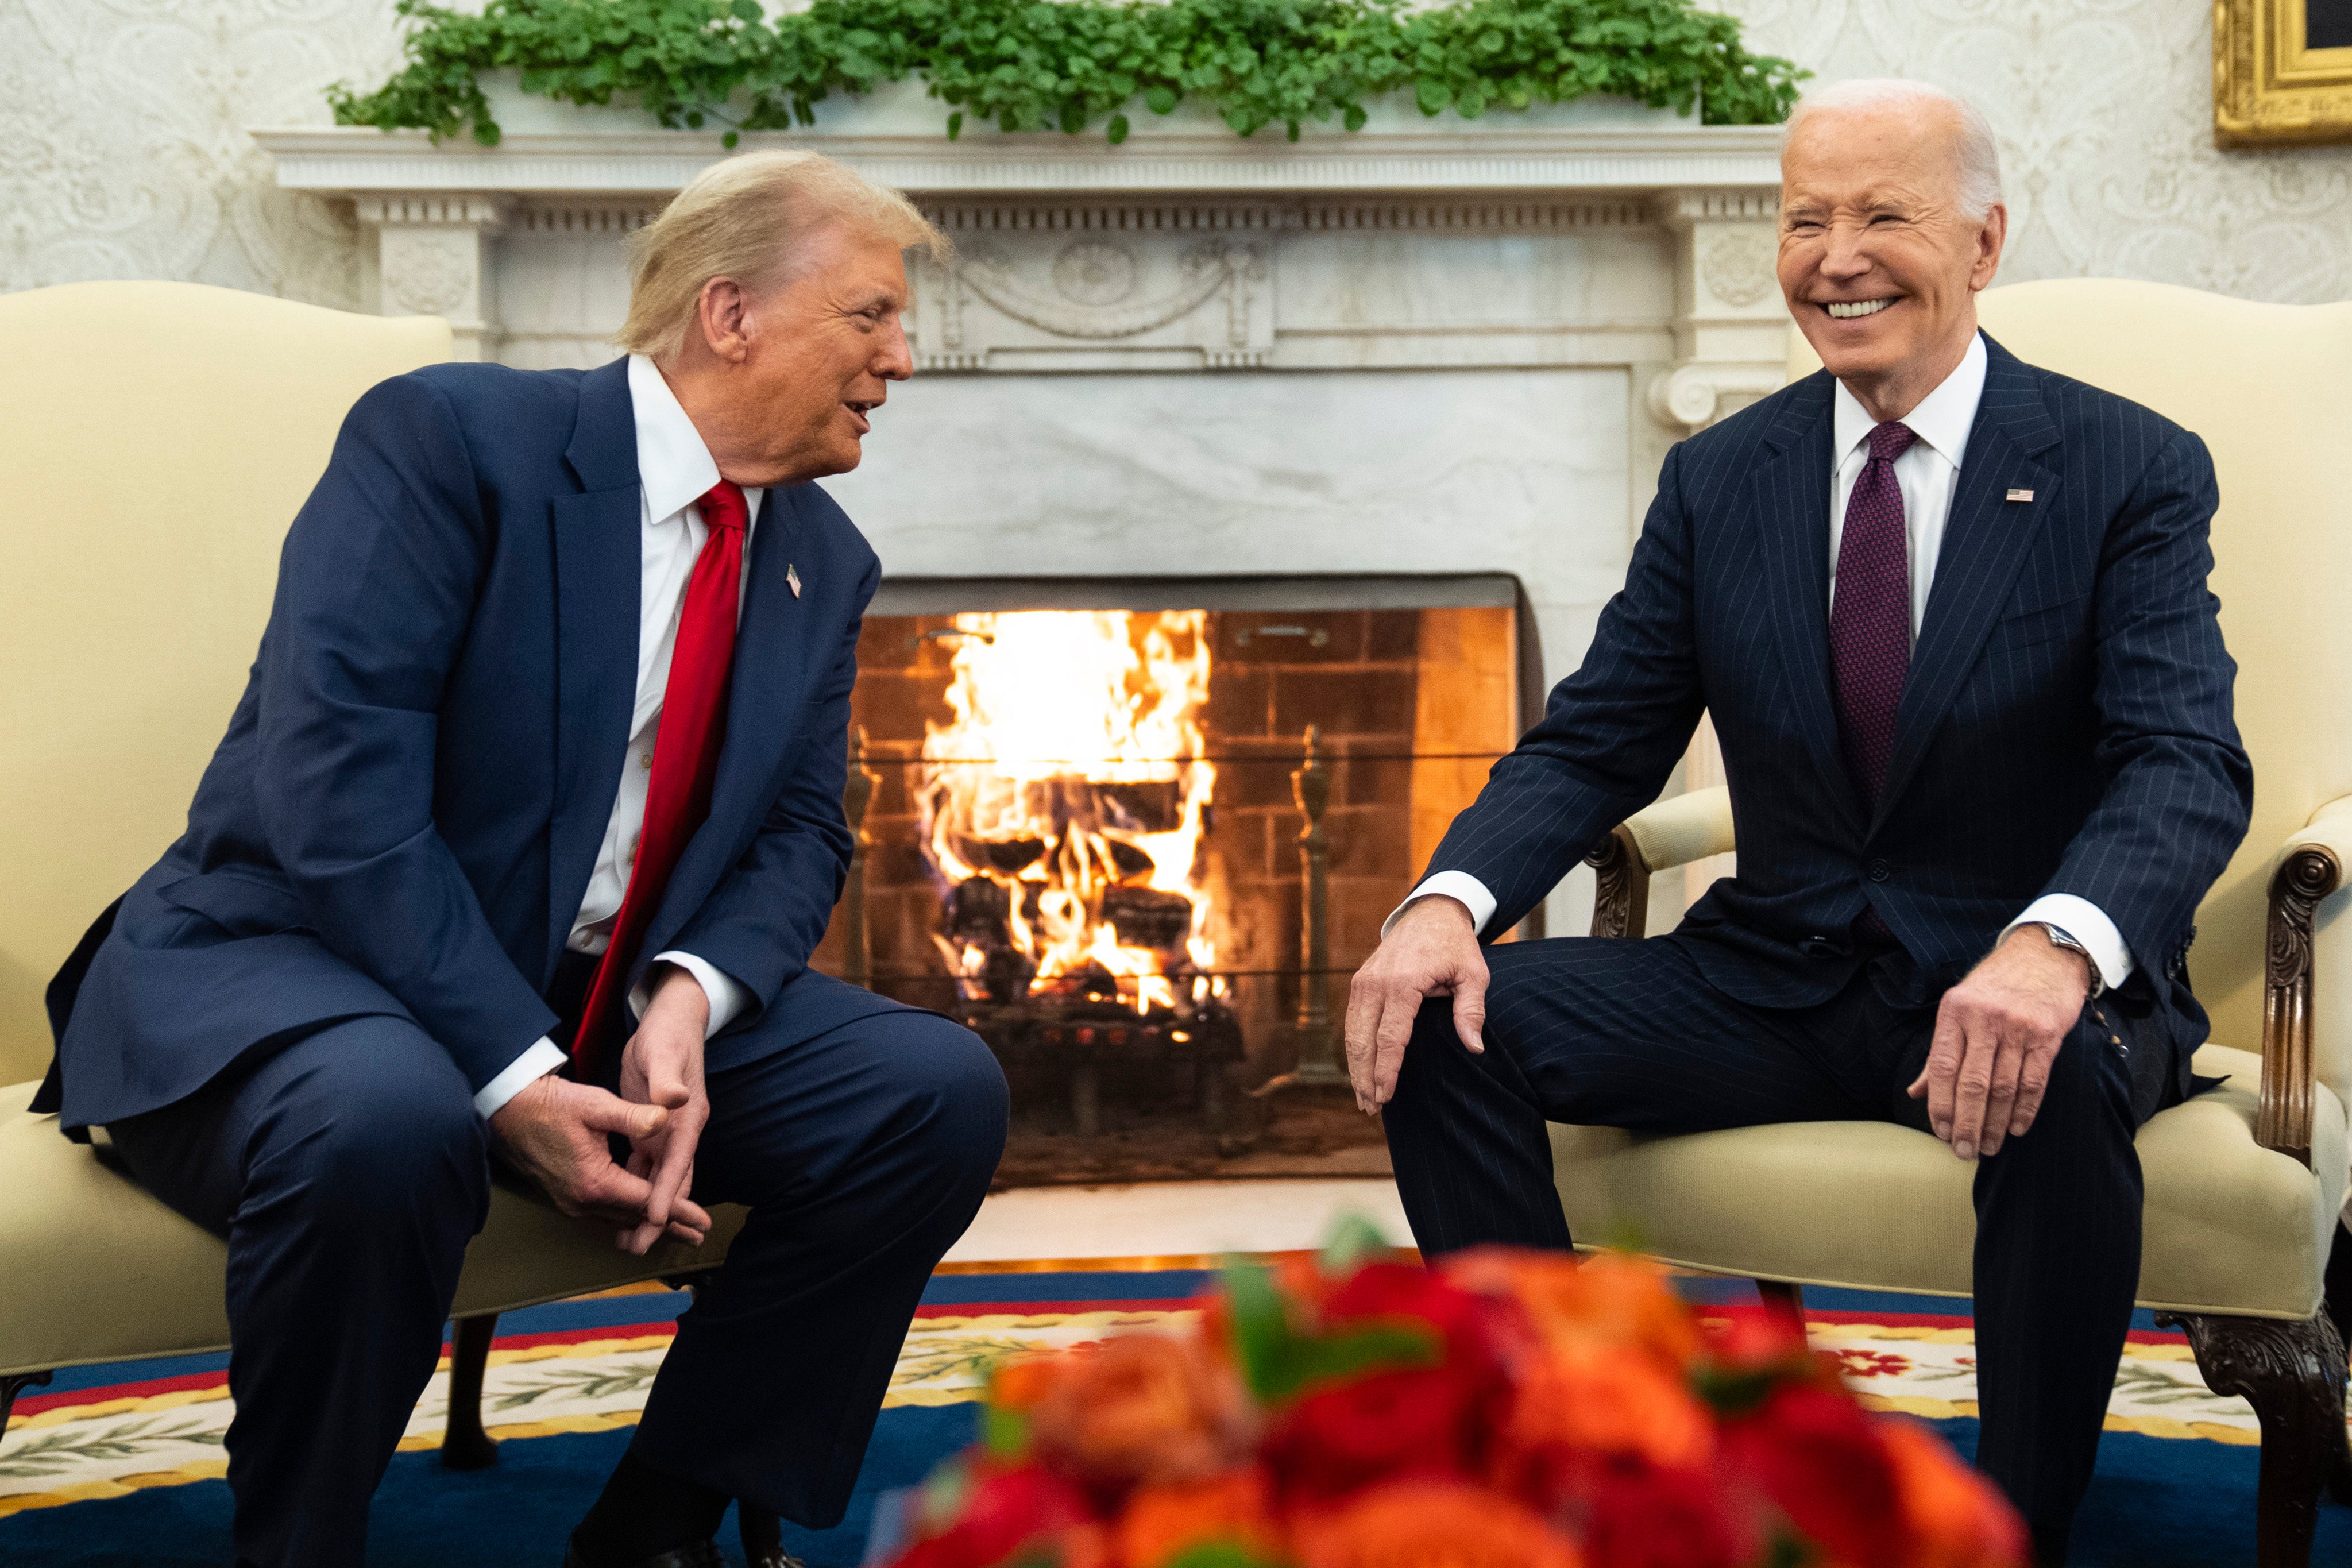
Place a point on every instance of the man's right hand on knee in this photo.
(558, 1133)
(1431, 950)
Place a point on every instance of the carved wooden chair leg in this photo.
(14, 1384)
(1787, 1299)
(2292, 1375)
(2338, 1309)
(464, 1445)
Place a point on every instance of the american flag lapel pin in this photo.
(2013, 495)
(792, 573)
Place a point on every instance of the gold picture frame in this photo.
(2270, 87)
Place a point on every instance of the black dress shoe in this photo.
(694, 1554)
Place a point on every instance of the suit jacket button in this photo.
(1879, 871)
(1817, 947)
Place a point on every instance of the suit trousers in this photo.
(348, 1171)
(1626, 1033)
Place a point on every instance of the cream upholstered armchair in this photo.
(157, 440)
(2244, 1185)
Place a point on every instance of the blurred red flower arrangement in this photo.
(1499, 1410)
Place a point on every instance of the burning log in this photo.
(980, 910)
(1144, 917)
(1010, 856)
(1074, 802)
(977, 918)
(1129, 862)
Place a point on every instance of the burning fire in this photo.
(1066, 801)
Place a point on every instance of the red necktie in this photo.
(1870, 626)
(685, 758)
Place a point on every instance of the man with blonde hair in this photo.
(1949, 614)
(518, 844)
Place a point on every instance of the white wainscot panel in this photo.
(1523, 471)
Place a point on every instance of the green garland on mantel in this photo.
(1029, 64)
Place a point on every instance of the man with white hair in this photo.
(518, 844)
(1949, 614)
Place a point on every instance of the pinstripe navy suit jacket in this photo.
(2066, 727)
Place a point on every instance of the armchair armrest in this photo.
(2311, 866)
(1660, 836)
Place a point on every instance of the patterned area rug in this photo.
(117, 1465)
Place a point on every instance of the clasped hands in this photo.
(1998, 1031)
(556, 1130)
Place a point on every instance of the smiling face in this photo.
(1880, 260)
(782, 383)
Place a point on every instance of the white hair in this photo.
(1979, 156)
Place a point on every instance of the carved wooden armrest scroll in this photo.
(2282, 1122)
(1621, 897)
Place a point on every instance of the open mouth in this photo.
(1850, 309)
(862, 413)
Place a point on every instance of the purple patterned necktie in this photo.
(1870, 624)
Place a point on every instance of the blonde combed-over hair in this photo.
(749, 218)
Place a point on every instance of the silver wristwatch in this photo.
(2060, 937)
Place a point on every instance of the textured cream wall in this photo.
(123, 152)
(122, 144)
(2105, 111)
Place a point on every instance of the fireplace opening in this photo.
(1137, 835)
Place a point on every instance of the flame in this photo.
(1075, 765)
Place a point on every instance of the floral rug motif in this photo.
(1926, 1367)
(119, 1433)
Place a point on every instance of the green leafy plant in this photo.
(1067, 65)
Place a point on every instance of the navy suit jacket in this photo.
(2066, 727)
(406, 808)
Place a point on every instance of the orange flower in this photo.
(1019, 1383)
(1599, 1403)
(1432, 1524)
(1162, 1522)
(1141, 1407)
(1956, 1518)
(1609, 1300)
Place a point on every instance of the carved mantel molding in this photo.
(1183, 250)
(430, 257)
(1480, 155)
(1730, 328)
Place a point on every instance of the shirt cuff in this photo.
(1459, 885)
(727, 994)
(543, 1058)
(2086, 923)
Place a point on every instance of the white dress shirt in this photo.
(674, 470)
(1928, 474)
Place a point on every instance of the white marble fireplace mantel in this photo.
(1434, 346)
(1665, 222)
